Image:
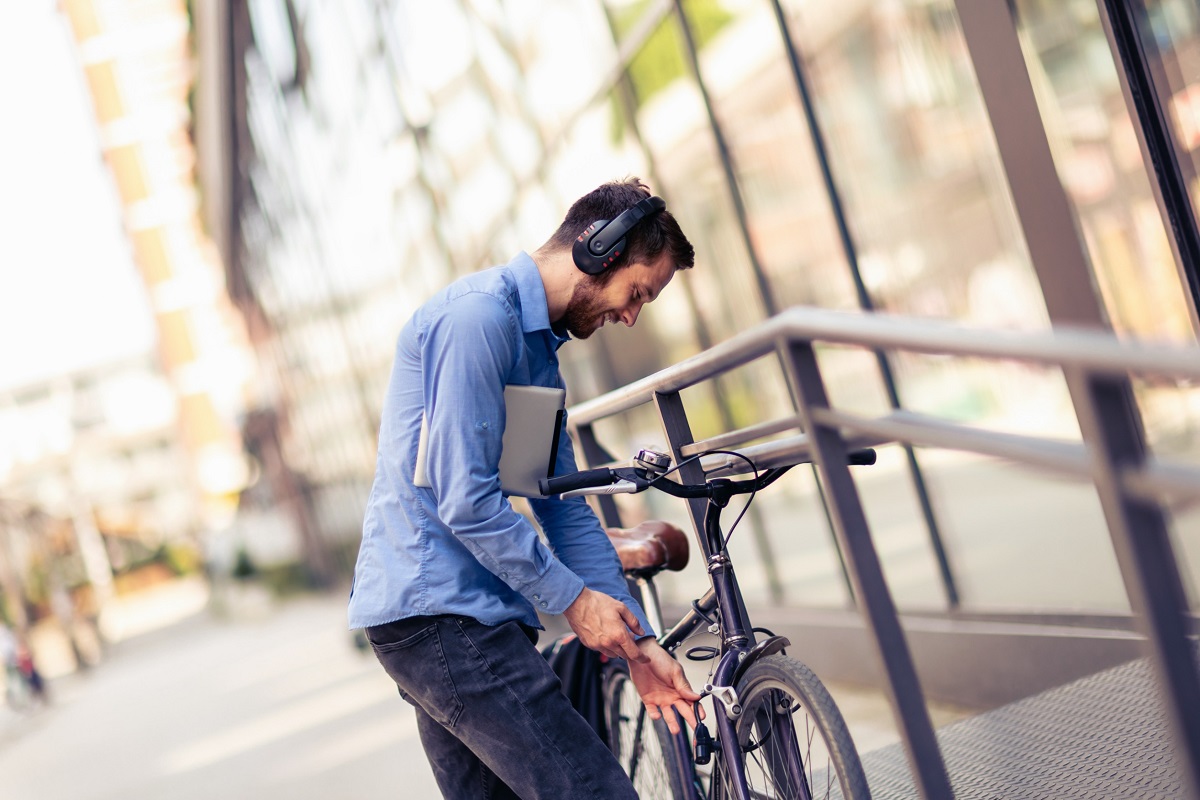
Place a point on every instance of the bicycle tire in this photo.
(776, 766)
(644, 747)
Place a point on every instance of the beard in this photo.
(584, 314)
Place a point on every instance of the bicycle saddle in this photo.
(652, 545)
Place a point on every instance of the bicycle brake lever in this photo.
(620, 487)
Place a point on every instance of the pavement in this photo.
(273, 703)
(269, 699)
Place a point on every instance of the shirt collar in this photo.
(535, 311)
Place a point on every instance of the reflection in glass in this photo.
(757, 104)
(1023, 539)
(913, 155)
(1171, 37)
(1101, 165)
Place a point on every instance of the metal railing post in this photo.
(874, 599)
(594, 455)
(679, 433)
(1142, 543)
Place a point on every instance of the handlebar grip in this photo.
(864, 457)
(576, 480)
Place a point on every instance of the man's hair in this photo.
(656, 234)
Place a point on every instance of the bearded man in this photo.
(450, 579)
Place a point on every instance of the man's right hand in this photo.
(603, 623)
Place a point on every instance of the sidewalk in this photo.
(275, 703)
(279, 705)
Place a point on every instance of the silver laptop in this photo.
(530, 444)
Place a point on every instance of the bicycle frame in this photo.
(738, 650)
(738, 647)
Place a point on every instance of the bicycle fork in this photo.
(739, 651)
(726, 710)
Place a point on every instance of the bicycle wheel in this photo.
(643, 747)
(792, 738)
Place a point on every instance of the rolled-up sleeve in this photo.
(577, 537)
(469, 348)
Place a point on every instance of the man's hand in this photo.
(662, 685)
(604, 624)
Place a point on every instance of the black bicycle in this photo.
(778, 733)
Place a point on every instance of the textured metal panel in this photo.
(1101, 736)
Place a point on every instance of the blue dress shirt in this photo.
(459, 547)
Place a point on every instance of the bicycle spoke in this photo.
(638, 746)
(784, 743)
(642, 746)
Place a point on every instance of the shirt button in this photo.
(537, 597)
(504, 575)
(543, 604)
(485, 425)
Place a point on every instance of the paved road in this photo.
(278, 706)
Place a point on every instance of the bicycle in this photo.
(779, 734)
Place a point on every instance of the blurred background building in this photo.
(296, 176)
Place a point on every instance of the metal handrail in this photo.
(1096, 352)
(1134, 486)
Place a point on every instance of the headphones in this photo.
(599, 246)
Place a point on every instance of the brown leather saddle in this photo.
(651, 546)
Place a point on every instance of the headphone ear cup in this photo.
(584, 260)
(593, 257)
(589, 262)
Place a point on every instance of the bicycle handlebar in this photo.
(862, 458)
(584, 479)
(621, 480)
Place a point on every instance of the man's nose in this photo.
(630, 315)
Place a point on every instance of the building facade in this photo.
(1016, 167)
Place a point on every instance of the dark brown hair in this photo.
(656, 234)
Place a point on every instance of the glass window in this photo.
(672, 117)
(757, 102)
(912, 152)
(273, 38)
(1171, 37)
(1101, 165)
(1023, 539)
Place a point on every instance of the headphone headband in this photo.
(599, 246)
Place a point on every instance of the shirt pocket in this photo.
(417, 664)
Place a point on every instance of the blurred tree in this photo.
(661, 61)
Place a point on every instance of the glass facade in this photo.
(818, 153)
(1095, 136)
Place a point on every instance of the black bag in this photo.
(579, 669)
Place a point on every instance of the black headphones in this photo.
(599, 246)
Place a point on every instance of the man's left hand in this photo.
(662, 685)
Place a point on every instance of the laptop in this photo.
(530, 444)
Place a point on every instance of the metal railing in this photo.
(1135, 488)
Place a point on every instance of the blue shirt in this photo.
(459, 547)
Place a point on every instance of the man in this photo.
(450, 578)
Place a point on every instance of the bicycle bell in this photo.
(652, 461)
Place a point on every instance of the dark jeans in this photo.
(491, 713)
